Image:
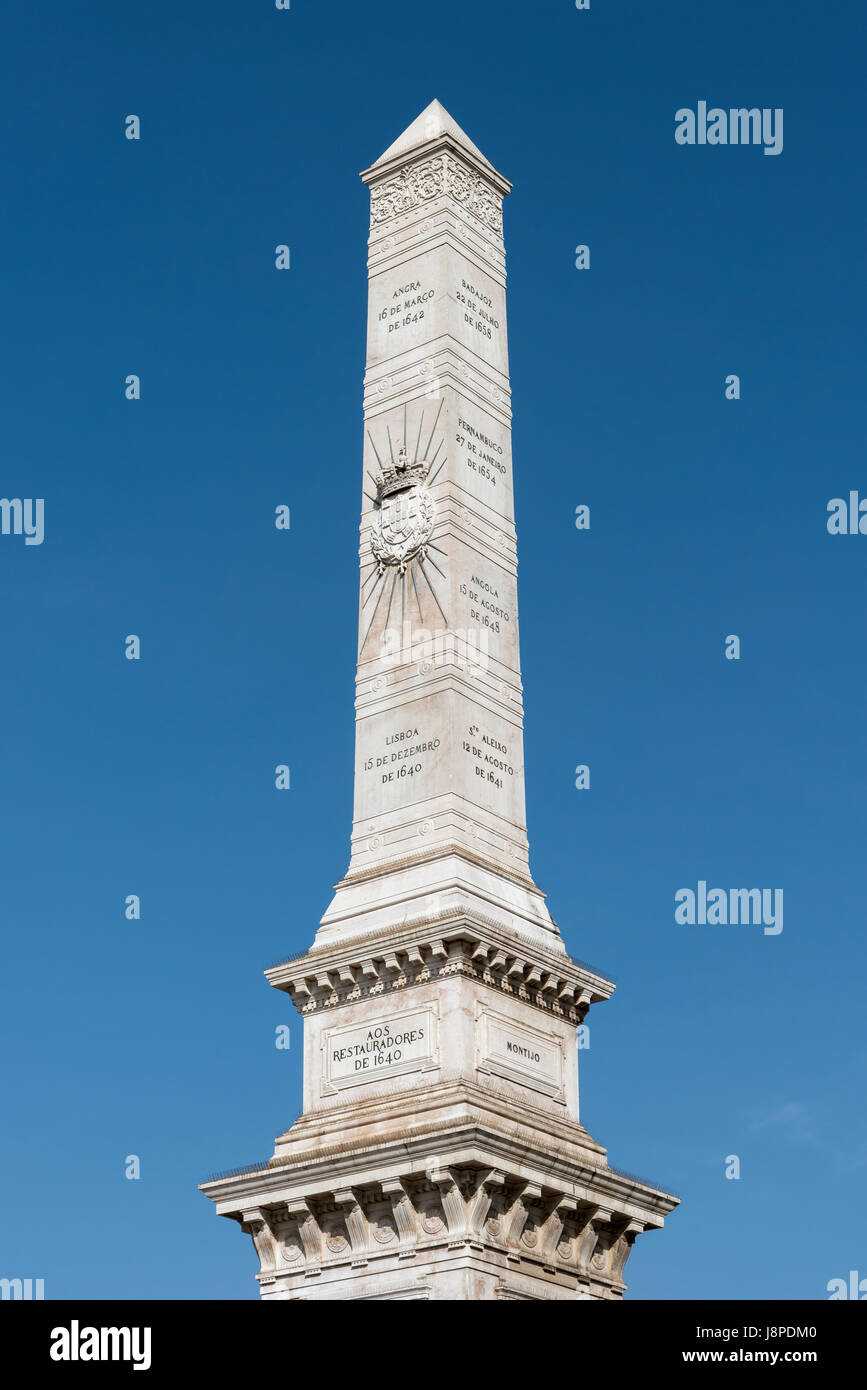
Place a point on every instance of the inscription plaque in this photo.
(382, 1047)
(520, 1053)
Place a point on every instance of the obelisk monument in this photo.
(439, 1154)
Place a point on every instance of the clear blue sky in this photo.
(155, 777)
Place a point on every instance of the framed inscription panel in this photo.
(381, 1048)
(519, 1052)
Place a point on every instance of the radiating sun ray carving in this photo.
(405, 525)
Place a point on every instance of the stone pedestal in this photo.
(440, 1152)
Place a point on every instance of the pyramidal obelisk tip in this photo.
(433, 123)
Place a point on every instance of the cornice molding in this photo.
(436, 946)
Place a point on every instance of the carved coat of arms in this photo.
(405, 521)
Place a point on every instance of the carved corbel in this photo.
(480, 1203)
(622, 1248)
(582, 1003)
(403, 1209)
(595, 1218)
(323, 980)
(552, 1230)
(308, 1229)
(257, 1223)
(356, 1221)
(517, 1218)
(453, 1203)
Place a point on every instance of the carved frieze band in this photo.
(557, 991)
(455, 1207)
(417, 184)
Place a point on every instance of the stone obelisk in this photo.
(439, 1153)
